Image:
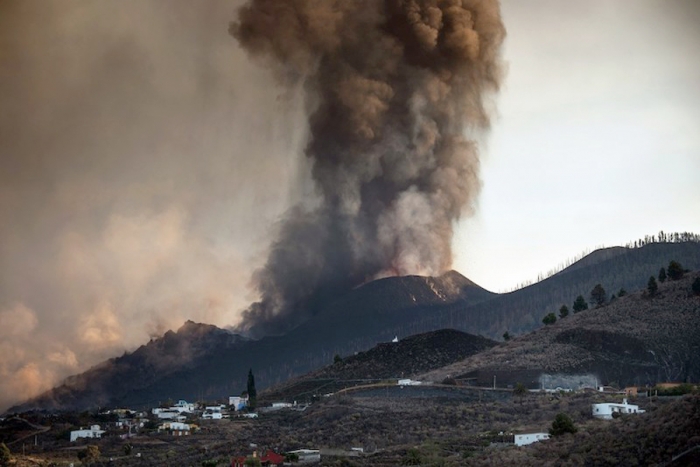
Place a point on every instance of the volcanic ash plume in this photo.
(395, 88)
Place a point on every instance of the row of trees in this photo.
(674, 272)
(599, 297)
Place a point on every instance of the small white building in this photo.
(606, 411)
(282, 405)
(209, 415)
(238, 402)
(175, 428)
(529, 438)
(408, 382)
(93, 432)
(307, 456)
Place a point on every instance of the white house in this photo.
(175, 428)
(238, 402)
(93, 432)
(307, 455)
(212, 415)
(529, 438)
(606, 411)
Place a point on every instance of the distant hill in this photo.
(634, 340)
(218, 362)
(403, 359)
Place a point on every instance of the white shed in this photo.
(529, 438)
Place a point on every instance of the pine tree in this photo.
(580, 304)
(598, 295)
(563, 311)
(662, 275)
(562, 424)
(652, 287)
(551, 318)
(252, 392)
(506, 336)
(675, 270)
(622, 293)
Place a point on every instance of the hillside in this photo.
(390, 360)
(357, 321)
(634, 340)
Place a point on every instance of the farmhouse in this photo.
(238, 402)
(93, 432)
(175, 428)
(606, 411)
(529, 438)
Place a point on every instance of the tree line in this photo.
(598, 295)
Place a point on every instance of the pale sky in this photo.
(598, 138)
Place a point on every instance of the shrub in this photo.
(675, 270)
(551, 318)
(696, 286)
(562, 424)
(652, 287)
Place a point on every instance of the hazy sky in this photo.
(598, 140)
(145, 162)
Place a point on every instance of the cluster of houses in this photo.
(604, 411)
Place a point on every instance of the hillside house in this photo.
(176, 428)
(606, 411)
(93, 432)
(307, 456)
(238, 402)
(529, 438)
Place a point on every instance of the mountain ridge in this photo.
(370, 314)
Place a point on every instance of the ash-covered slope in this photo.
(175, 352)
(203, 361)
(388, 360)
(634, 340)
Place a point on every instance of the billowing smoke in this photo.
(131, 193)
(397, 93)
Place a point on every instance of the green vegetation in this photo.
(252, 462)
(652, 286)
(580, 304)
(337, 359)
(696, 286)
(563, 311)
(551, 318)
(675, 270)
(413, 457)
(679, 390)
(562, 424)
(89, 455)
(598, 295)
(5, 455)
(252, 392)
(519, 391)
(662, 275)
(621, 293)
(506, 336)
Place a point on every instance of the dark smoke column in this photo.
(396, 87)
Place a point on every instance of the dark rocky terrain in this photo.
(633, 340)
(216, 363)
(390, 360)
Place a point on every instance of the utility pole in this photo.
(494, 381)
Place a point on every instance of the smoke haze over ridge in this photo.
(135, 192)
(396, 92)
